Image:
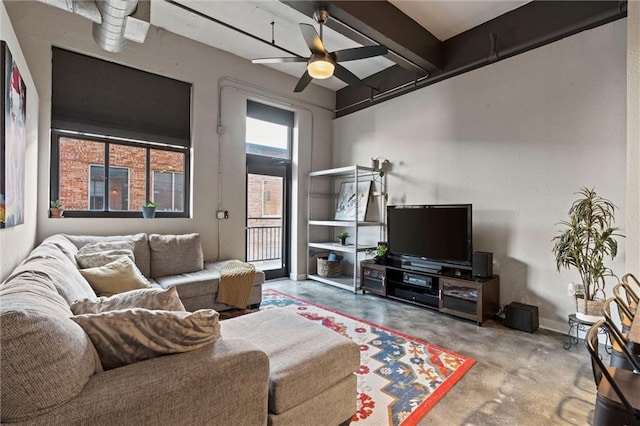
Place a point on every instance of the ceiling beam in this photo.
(527, 27)
(379, 22)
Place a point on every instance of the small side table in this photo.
(581, 325)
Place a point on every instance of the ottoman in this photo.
(311, 368)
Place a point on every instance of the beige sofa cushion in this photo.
(175, 254)
(64, 245)
(46, 260)
(127, 336)
(99, 254)
(46, 358)
(115, 277)
(147, 298)
(140, 251)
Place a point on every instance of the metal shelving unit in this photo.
(323, 196)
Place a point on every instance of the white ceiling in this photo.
(444, 19)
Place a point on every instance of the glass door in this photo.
(267, 230)
(269, 134)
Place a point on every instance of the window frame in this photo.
(266, 215)
(104, 193)
(173, 185)
(54, 188)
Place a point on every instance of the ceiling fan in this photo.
(322, 63)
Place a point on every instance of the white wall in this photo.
(633, 138)
(16, 242)
(39, 27)
(517, 139)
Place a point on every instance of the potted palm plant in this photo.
(587, 238)
(149, 210)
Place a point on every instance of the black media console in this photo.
(454, 293)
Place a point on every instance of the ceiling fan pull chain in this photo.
(493, 49)
(273, 37)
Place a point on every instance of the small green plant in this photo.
(56, 204)
(342, 235)
(381, 251)
(151, 204)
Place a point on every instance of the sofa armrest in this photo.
(224, 383)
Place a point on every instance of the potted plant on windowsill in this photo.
(149, 210)
(56, 209)
(342, 236)
(588, 237)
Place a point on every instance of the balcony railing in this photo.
(264, 243)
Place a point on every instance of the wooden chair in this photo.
(618, 398)
(618, 356)
(633, 296)
(622, 292)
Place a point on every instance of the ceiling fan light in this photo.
(320, 68)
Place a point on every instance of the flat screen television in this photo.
(431, 236)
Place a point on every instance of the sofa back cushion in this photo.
(47, 359)
(99, 254)
(47, 261)
(175, 254)
(65, 246)
(140, 250)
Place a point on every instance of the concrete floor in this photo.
(518, 379)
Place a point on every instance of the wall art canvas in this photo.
(13, 143)
(350, 197)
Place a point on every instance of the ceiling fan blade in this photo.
(358, 53)
(347, 76)
(303, 82)
(313, 40)
(278, 60)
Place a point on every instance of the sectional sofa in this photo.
(270, 367)
(168, 263)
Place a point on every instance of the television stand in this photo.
(451, 292)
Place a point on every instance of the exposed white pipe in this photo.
(110, 33)
(113, 24)
(86, 8)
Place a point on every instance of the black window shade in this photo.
(95, 96)
(268, 113)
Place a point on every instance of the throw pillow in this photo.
(127, 336)
(99, 254)
(147, 298)
(141, 243)
(115, 277)
(175, 254)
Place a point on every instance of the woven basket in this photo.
(329, 269)
(589, 307)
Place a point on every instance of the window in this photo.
(267, 139)
(269, 131)
(118, 188)
(96, 177)
(168, 190)
(272, 196)
(118, 143)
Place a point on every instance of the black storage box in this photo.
(522, 317)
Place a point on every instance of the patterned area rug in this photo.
(400, 378)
